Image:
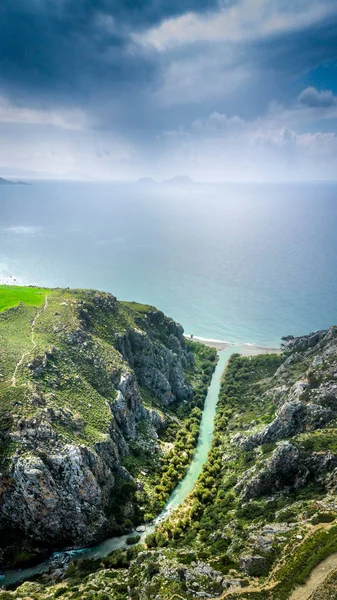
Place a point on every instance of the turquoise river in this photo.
(182, 490)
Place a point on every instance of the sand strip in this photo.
(245, 349)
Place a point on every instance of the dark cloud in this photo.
(43, 52)
(94, 55)
(295, 52)
(315, 99)
(69, 46)
(284, 64)
(82, 52)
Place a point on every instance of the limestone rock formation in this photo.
(74, 390)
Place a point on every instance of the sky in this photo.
(226, 90)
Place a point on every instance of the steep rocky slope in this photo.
(91, 390)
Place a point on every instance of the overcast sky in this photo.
(120, 89)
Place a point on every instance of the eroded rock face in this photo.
(159, 367)
(298, 344)
(308, 403)
(128, 408)
(304, 393)
(57, 490)
(253, 565)
(199, 579)
(292, 418)
(285, 468)
(61, 496)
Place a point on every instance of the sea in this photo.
(243, 263)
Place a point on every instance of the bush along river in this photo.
(11, 577)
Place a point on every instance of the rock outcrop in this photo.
(286, 468)
(304, 393)
(159, 368)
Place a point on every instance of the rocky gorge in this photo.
(262, 514)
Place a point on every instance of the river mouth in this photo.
(11, 577)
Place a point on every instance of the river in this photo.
(10, 577)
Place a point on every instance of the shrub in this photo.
(60, 591)
(134, 539)
(323, 518)
(150, 540)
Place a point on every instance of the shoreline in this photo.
(246, 349)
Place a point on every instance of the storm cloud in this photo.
(313, 98)
(120, 86)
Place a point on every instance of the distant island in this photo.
(176, 180)
(8, 182)
(147, 181)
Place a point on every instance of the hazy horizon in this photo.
(19, 176)
(248, 263)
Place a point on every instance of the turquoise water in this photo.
(179, 494)
(231, 262)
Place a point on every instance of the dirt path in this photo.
(32, 337)
(317, 577)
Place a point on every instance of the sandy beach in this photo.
(245, 349)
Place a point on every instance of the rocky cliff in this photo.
(303, 393)
(85, 383)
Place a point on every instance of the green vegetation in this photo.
(132, 540)
(214, 505)
(261, 515)
(184, 439)
(12, 295)
(318, 441)
(298, 566)
(178, 440)
(139, 308)
(312, 551)
(328, 590)
(62, 362)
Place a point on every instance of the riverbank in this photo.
(179, 494)
(58, 559)
(244, 349)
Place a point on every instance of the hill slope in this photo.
(93, 393)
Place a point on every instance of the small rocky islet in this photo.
(101, 402)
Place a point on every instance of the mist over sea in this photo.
(243, 263)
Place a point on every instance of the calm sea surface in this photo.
(244, 263)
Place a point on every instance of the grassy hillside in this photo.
(13, 295)
(78, 369)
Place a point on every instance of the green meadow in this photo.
(12, 295)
